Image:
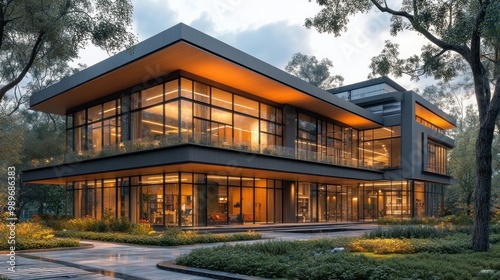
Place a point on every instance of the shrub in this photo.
(382, 246)
(171, 238)
(31, 235)
(413, 231)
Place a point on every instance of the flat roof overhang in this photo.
(199, 159)
(184, 48)
(433, 114)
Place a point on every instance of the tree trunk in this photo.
(480, 235)
(468, 203)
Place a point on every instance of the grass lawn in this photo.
(429, 253)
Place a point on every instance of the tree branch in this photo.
(462, 50)
(19, 78)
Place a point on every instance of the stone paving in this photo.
(124, 261)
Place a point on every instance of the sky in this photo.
(273, 31)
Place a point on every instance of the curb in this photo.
(171, 266)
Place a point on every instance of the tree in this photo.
(48, 132)
(42, 34)
(459, 162)
(315, 72)
(462, 35)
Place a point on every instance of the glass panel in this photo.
(171, 202)
(110, 109)
(201, 92)
(172, 89)
(303, 202)
(247, 205)
(124, 198)
(381, 133)
(111, 131)
(367, 135)
(109, 198)
(202, 111)
(148, 122)
(186, 88)
(260, 205)
(79, 139)
(69, 140)
(94, 113)
(135, 102)
(381, 150)
(152, 204)
(187, 205)
(268, 127)
(200, 205)
(201, 131)
(98, 200)
(267, 112)
(222, 116)
(396, 152)
(186, 120)
(216, 204)
(246, 106)
(234, 203)
(279, 115)
(221, 134)
(222, 98)
(152, 96)
(172, 117)
(246, 131)
(79, 118)
(69, 121)
(95, 136)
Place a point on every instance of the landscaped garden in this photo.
(51, 231)
(396, 252)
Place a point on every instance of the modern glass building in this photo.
(186, 130)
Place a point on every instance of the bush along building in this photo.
(186, 130)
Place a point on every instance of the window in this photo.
(381, 148)
(436, 157)
(183, 109)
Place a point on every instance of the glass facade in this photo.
(180, 199)
(182, 109)
(326, 141)
(193, 199)
(364, 92)
(188, 111)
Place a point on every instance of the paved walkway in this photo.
(123, 261)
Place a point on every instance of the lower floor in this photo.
(196, 199)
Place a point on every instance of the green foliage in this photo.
(463, 40)
(168, 238)
(457, 220)
(313, 71)
(408, 232)
(30, 235)
(37, 36)
(436, 258)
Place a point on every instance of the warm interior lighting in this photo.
(432, 118)
(382, 154)
(232, 178)
(160, 95)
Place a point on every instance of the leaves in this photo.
(313, 71)
(41, 34)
